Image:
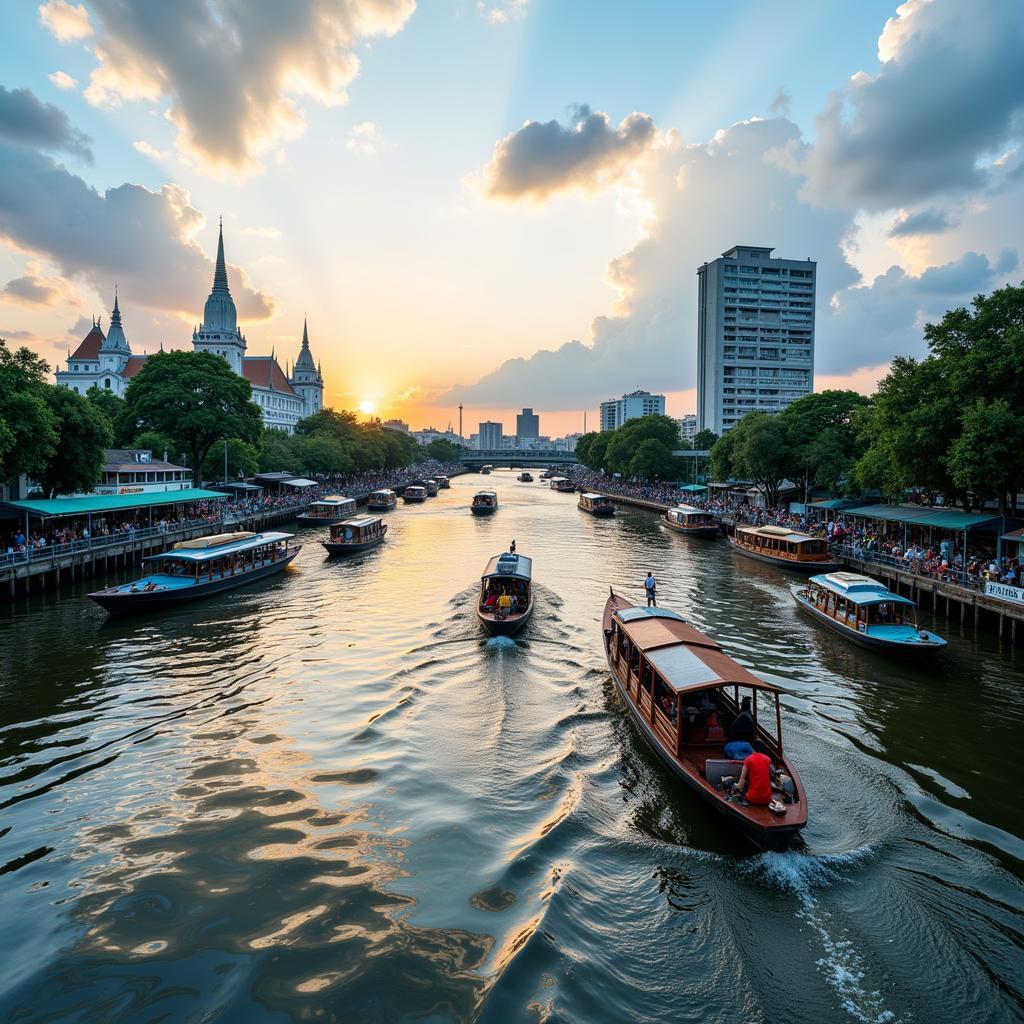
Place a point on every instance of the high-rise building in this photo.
(617, 411)
(527, 425)
(490, 436)
(755, 335)
(688, 427)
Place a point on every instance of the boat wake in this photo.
(841, 964)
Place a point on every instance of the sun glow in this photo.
(366, 407)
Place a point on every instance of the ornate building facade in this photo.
(107, 361)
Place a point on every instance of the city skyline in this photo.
(425, 266)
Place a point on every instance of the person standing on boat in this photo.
(512, 548)
(650, 586)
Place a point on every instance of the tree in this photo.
(988, 457)
(113, 408)
(194, 398)
(322, 453)
(625, 442)
(28, 428)
(442, 450)
(591, 449)
(652, 458)
(157, 443)
(243, 460)
(723, 457)
(82, 434)
(704, 440)
(277, 453)
(759, 452)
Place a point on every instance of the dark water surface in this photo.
(329, 798)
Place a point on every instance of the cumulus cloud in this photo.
(233, 72)
(148, 150)
(924, 222)
(26, 121)
(33, 289)
(18, 335)
(142, 239)
(366, 138)
(948, 96)
(502, 13)
(62, 80)
(589, 153)
(67, 22)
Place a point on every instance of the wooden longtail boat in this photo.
(597, 504)
(432, 487)
(509, 574)
(683, 692)
(357, 534)
(692, 522)
(485, 503)
(197, 568)
(525, 478)
(866, 613)
(443, 482)
(562, 484)
(779, 545)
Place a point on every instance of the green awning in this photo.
(99, 503)
(836, 504)
(892, 513)
(693, 488)
(920, 515)
(952, 520)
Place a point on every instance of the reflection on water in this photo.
(331, 797)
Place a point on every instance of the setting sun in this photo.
(367, 407)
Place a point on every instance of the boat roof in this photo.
(590, 494)
(684, 657)
(859, 589)
(558, 478)
(334, 499)
(414, 487)
(489, 494)
(689, 509)
(509, 566)
(360, 521)
(383, 490)
(778, 532)
(204, 554)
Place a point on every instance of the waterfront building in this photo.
(527, 425)
(490, 436)
(135, 471)
(755, 335)
(107, 361)
(400, 425)
(688, 426)
(636, 404)
(430, 434)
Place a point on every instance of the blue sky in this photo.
(382, 201)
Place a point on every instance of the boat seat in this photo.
(715, 768)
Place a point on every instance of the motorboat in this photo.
(692, 522)
(506, 594)
(779, 545)
(327, 511)
(383, 500)
(597, 504)
(485, 503)
(356, 534)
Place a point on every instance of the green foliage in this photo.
(760, 453)
(591, 449)
(442, 450)
(194, 398)
(722, 457)
(335, 442)
(652, 460)
(988, 457)
(157, 443)
(625, 450)
(243, 460)
(322, 453)
(113, 408)
(28, 427)
(277, 452)
(82, 434)
(704, 440)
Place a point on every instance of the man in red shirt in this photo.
(755, 783)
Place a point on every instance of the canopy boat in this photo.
(443, 482)
(432, 488)
(525, 478)
(693, 522)
(780, 545)
(196, 568)
(683, 692)
(485, 470)
(866, 612)
(562, 484)
(597, 504)
(484, 503)
(356, 534)
(547, 474)
(414, 495)
(506, 594)
(327, 511)
(382, 501)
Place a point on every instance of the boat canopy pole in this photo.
(778, 723)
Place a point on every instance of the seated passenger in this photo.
(743, 724)
(755, 784)
(504, 605)
(492, 600)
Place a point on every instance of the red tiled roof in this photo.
(132, 367)
(263, 372)
(89, 347)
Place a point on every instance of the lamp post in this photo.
(225, 460)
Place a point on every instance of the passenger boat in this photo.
(484, 503)
(597, 504)
(197, 568)
(867, 613)
(779, 545)
(693, 522)
(443, 482)
(683, 692)
(547, 474)
(327, 511)
(432, 488)
(562, 484)
(383, 500)
(356, 534)
(486, 470)
(510, 574)
(525, 478)
(414, 495)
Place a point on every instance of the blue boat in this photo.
(197, 568)
(867, 613)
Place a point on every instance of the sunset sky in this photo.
(503, 203)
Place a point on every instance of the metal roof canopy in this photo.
(241, 487)
(917, 515)
(693, 488)
(509, 566)
(52, 508)
(300, 481)
(277, 477)
(838, 504)
(208, 554)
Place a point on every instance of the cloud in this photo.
(32, 289)
(62, 80)
(924, 222)
(141, 239)
(949, 94)
(588, 154)
(366, 138)
(26, 121)
(502, 13)
(233, 71)
(67, 22)
(19, 335)
(781, 103)
(143, 147)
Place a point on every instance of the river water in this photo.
(331, 798)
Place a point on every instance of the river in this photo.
(330, 798)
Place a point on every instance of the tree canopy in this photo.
(83, 431)
(28, 427)
(640, 448)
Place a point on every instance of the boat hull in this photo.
(118, 602)
(483, 510)
(505, 627)
(787, 563)
(334, 548)
(304, 520)
(415, 500)
(898, 648)
(601, 513)
(381, 506)
(704, 532)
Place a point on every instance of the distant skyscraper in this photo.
(755, 335)
(617, 411)
(527, 425)
(688, 427)
(490, 436)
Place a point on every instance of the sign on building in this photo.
(1005, 592)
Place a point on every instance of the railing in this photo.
(913, 567)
